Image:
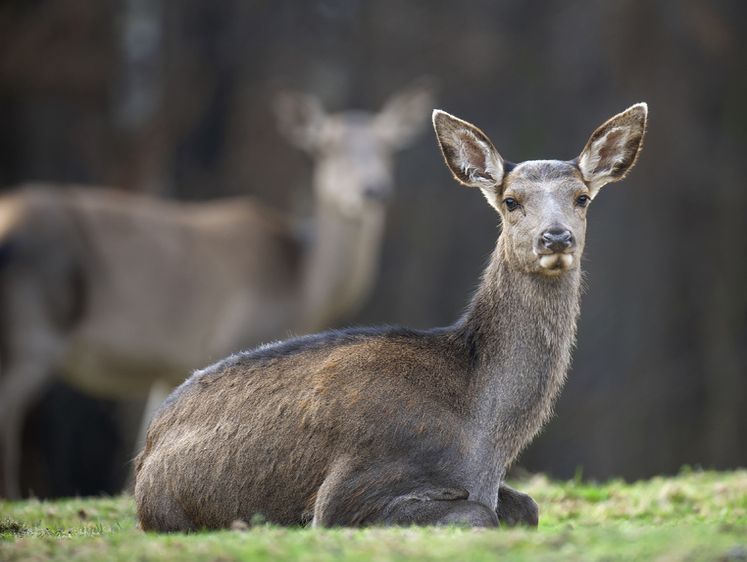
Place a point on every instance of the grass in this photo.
(694, 516)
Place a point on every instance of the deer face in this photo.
(542, 203)
(543, 210)
(354, 151)
(354, 167)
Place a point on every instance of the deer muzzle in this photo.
(555, 248)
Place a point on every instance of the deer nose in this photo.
(557, 240)
(379, 191)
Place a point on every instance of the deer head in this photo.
(354, 150)
(542, 203)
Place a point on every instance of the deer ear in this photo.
(300, 118)
(469, 153)
(405, 113)
(613, 148)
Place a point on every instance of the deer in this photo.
(113, 291)
(390, 425)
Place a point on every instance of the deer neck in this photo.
(521, 328)
(341, 264)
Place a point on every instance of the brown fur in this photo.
(391, 425)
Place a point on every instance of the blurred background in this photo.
(173, 98)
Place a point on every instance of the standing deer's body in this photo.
(390, 425)
(114, 291)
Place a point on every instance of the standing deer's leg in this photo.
(20, 386)
(32, 348)
(516, 508)
(159, 391)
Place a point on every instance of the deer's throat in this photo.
(522, 328)
(340, 267)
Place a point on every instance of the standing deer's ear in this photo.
(470, 155)
(300, 118)
(613, 148)
(405, 113)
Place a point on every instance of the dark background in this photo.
(173, 97)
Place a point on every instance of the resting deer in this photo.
(115, 290)
(393, 425)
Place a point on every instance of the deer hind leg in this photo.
(379, 496)
(162, 513)
(157, 507)
(516, 508)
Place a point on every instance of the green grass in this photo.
(693, 516)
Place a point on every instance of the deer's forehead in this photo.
(544, 176)
(352, 142)
(349, 127)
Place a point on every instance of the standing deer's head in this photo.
(542, 203)
(353, 151)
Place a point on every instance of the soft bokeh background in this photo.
(173, 98)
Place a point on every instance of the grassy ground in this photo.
(693, 516)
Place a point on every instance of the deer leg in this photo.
(19, 387)
(162, 512)
(11, 426)
(431, 507)
(445, 508)
(516, 508)
(440, 507)
(354, 495)
(32, 350)
(159, 391)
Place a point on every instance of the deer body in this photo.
(113, 291)
(120, 254)
(391, 425)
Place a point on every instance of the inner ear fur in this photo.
(469, 154)
(613, 148)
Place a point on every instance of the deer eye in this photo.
(511, 204)
(582, 201)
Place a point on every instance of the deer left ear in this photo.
(613, 148)
(405, 113)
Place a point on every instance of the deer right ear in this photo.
(469, 153)
(300, 118)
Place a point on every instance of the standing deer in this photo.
(114, 291)
(393, 425)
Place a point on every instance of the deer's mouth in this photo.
(556, 262)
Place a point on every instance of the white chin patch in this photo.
(556, 262)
